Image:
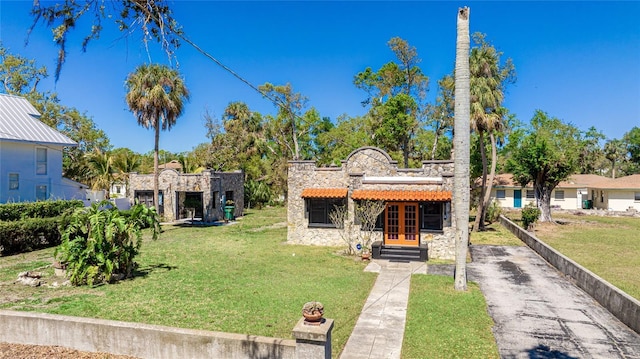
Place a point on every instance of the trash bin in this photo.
(228, 212)
(585, 204)
(589, 204)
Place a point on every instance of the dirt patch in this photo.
(20, 351)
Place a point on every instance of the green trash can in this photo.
(585, 204)
(228, 212)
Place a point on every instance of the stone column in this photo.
(313, 341)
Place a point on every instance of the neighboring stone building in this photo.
(206, 192)
(417, 212)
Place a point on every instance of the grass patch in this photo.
(445, 323)
(495, 234)
(607, 246)
(239, 278)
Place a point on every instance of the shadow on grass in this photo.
(142, 272)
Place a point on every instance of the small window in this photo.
(228, 196)
(41, 161)
(637, 197)
(500, 194)
(432, 215)
(41, 192)
(601, 196)
(531, 194)
(559, 195)
(14, 181)
(318, 211)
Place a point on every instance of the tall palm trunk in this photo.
(461, 147)
(478, 224)
(156, 184)
(492, 176)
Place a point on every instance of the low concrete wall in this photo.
(619, 303)
(136, 339)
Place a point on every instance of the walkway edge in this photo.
(620, 304)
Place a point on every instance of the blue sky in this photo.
(576, 60)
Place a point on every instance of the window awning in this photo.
(399, 195)
(324, 193)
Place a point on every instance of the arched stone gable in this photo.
(370, 160)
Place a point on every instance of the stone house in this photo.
(205, 193)
(416, 220)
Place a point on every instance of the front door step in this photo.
(381, 251)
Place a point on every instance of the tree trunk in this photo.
(435, 145)
(405, 153)
(544, 202)
(156, 184)
(461, 147)
(478, 224)
(294, 134)
(492, 175)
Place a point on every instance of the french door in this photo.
(401, 224)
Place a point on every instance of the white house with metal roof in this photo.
(31, 156)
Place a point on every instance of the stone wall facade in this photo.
(212, 186)
(357, 172)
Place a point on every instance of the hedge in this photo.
(41, 209)
(30, 234)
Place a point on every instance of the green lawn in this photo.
(243, 278)
(445, 323)
(607, 246)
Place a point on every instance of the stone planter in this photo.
(59, 269)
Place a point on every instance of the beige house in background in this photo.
(580, 191)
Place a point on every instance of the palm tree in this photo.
(488, 80)
(125, 162)
(461, 147)
(616, 152)
(156, 96)
(101, 171)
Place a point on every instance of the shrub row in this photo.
(41, 209)
(30, 234)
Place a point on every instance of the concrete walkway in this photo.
(538, 313)
(379, 330)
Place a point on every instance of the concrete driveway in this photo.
(538, 313)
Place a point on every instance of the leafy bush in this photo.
(41, 209)
(30, 234)
(493, 212)
(530, 215)
(100, 244)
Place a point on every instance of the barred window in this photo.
(318, 210)
(531, 194)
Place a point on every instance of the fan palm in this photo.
(156, 96)
(488, 80)
(100, 165)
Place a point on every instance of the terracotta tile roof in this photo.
(324, 193)
(399, 195)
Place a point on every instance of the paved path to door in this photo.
(539, 313)
(379, 330)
